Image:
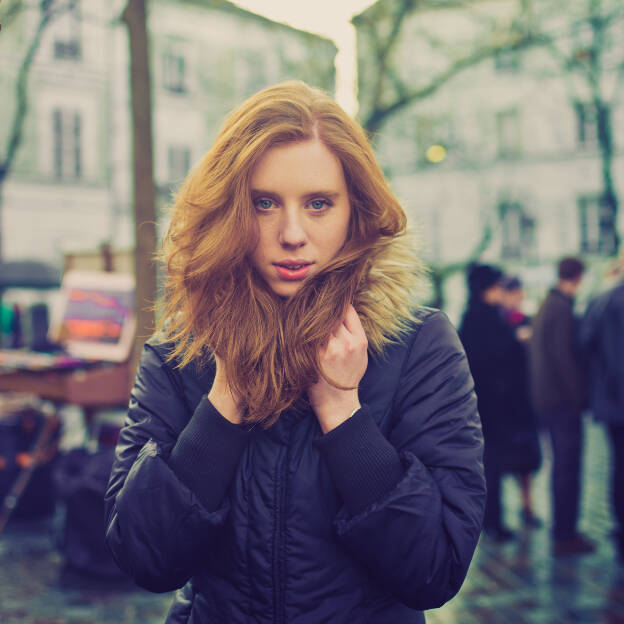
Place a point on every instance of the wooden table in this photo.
(93, 388)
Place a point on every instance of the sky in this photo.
(329, 18)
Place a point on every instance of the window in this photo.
(67, 42)
(179, 162)
(507, 60)
(597, 222)
(518, 231)
(174, 76)
(508, 133)
(587, 124)
(67, 129)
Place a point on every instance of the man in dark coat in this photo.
(602, 341)
(558, 393)
(496, 361)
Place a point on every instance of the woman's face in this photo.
(300, 198)
(512, 299)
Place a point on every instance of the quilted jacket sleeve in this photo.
(157, 528)
(418, 539)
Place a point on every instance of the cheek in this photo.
(260, 239)
(346, 227)
(341, 239)
(339, 233)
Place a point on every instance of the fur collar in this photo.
(388, 301)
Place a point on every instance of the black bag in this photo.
(521, 452)
(81, 479)
(20, 426)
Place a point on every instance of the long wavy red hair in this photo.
(215, 302)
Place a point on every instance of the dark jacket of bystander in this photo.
(601, 338)
(556, 374)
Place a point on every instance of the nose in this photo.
(292, 232)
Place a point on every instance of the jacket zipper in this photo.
(279, 572)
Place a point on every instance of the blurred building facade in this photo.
(503, 156)
(70, 186)
(59, 186)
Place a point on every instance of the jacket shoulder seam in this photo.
(171, 375)
(427, 313)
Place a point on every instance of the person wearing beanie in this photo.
(495, 357)
(558, 394)
(484, 277)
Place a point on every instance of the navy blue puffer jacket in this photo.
(286, 543)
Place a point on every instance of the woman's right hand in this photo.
(221, 396)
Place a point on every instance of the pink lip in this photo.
(287, 273)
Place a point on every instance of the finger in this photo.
(343, 334)
(335, 349)
(346, 343)
(352, 322)
(336, 327)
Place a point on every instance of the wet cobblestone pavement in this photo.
(514, 583)
(520, 582)
(35, 590)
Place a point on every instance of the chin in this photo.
(286, 291)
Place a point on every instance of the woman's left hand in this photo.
(344, 360)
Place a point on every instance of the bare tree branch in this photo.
(385, 48)
(535, 25)
(21, 108)
(21, 85)
(379, 114)
(13, 10)
(565, 67)
(619, 80)
(21, 90)
(440, 273)
(586, 62)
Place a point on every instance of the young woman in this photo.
(497, 362)
(528, 454)
(302, 444)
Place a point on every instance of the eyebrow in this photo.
(272, 195)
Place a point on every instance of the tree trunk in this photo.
(609, 199)
(144, 195)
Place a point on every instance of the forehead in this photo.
(304, 163)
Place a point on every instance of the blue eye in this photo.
(319, 204)
(263, 204)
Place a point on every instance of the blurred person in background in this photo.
(558, 390)
(303, 443)
(513, 296)
(529, 459)
(601, 338)
(496, 360)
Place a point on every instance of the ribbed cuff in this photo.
(207, 453)
(363, 464)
